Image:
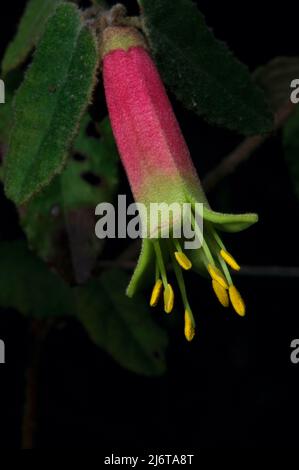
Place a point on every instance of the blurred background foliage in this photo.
(59, 160)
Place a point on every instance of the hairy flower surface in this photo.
(160, 170)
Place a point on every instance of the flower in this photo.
(160, 170)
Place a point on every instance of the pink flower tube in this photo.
(159, 168)
(150, 142)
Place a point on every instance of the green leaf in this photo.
(291, 148)
(101, 160)
(50, 103)
(200, 70)
(27, 285)
(59, 222)
(12, 82)
(30, 28)
(122, 326)
(6, 116)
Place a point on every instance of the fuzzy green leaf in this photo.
(122, 326)
(6, 117)
(50, 103)
(200, 70)
(30, 28)
(27, 285)
(59, 222)
(291, 148)
(12, 82)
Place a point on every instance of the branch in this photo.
(244, 150)
(246, 271)
(270, 271)
(38, 332)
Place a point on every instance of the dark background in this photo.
(234, 386)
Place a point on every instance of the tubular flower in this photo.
(160, 170)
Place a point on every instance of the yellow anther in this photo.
(217, 275)
(221, 293)
(168, 299)
(189, 326)
(230, 260)
(183, 260)
(237, 301)
(156, 293)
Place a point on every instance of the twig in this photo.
(38, 332)
(270, 271)
(244, 150)
(246, 271)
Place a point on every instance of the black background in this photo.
(234, 386)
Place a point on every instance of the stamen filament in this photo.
(157, 275)
(225, 270)
(189, 329)
(200, 236)
(160, 262)
(218, 239)
(177, 245)
(180, 281)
